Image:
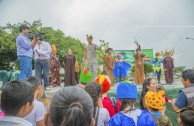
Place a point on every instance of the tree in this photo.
(9, 33)
(179, 69)
(148, 68)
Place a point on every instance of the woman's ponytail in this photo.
(74, 116)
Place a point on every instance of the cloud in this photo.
(157, 24)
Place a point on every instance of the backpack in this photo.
(113, 100)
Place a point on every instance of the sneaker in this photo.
(47, 88)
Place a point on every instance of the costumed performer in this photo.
(139, 65)
(121, 68)
(168, 65)
(69, 65)
(54, 67)
(109, 64)
(157, 65)
(90, 56)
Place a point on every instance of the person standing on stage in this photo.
(121, 68)
(139, 65)
(54, 67)
(109, 64)
(24, 52)
(157, 65)
(42, 51)
(69, 66)
(168, 64)
(77, 71)
(90, 56)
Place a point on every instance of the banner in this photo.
(127, 55)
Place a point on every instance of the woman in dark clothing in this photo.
(69, 66)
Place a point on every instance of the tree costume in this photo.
(168, 65)
(157, 65)
(121, 68)
(139, 65)
(90, 57)
(69, 65)
(109, 64)
(54, 68)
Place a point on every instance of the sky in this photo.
(157, 24)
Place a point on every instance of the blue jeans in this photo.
(25, 67)
(42, 67)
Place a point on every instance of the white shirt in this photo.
(44, 48)
(13, 121)
(103, 116)
(37, 113)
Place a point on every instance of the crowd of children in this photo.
(89, 104)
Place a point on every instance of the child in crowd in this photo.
(155, 102)
(36, 117)
(16, 102)
(101, 114)
(186, 117)
(85, 78)
(129, 115)
(72, 106)
(110, 103)
(161, 88)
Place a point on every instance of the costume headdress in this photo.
(171, 52)
(108, 49)
(85, 77)
(105, 82)
(89, 36)
(126, 90)
(54, 48)
(138, 46)
(155, 99)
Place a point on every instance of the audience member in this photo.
(71, 106)
(36, 117)
(101, 114)
(155, 102)
(16, 102)
(85, 78)
(127, 94)
(149, 84)
(186, 117)
(186, 95)
(110, 103)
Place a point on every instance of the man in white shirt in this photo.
(16, 102)
(42, 51)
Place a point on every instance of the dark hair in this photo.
(188, 75)
(144, 91)
(71, 106)
(34, 81)
(94, 90)
(125, 102)
(187, 117)
(23, 27)
(14, 95)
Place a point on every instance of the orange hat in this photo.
(54, 48)
(105, 82)
(155, 99)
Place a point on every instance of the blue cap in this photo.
(126, 90)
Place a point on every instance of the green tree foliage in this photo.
(9, 33)
(179, 69)
(148, 68)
